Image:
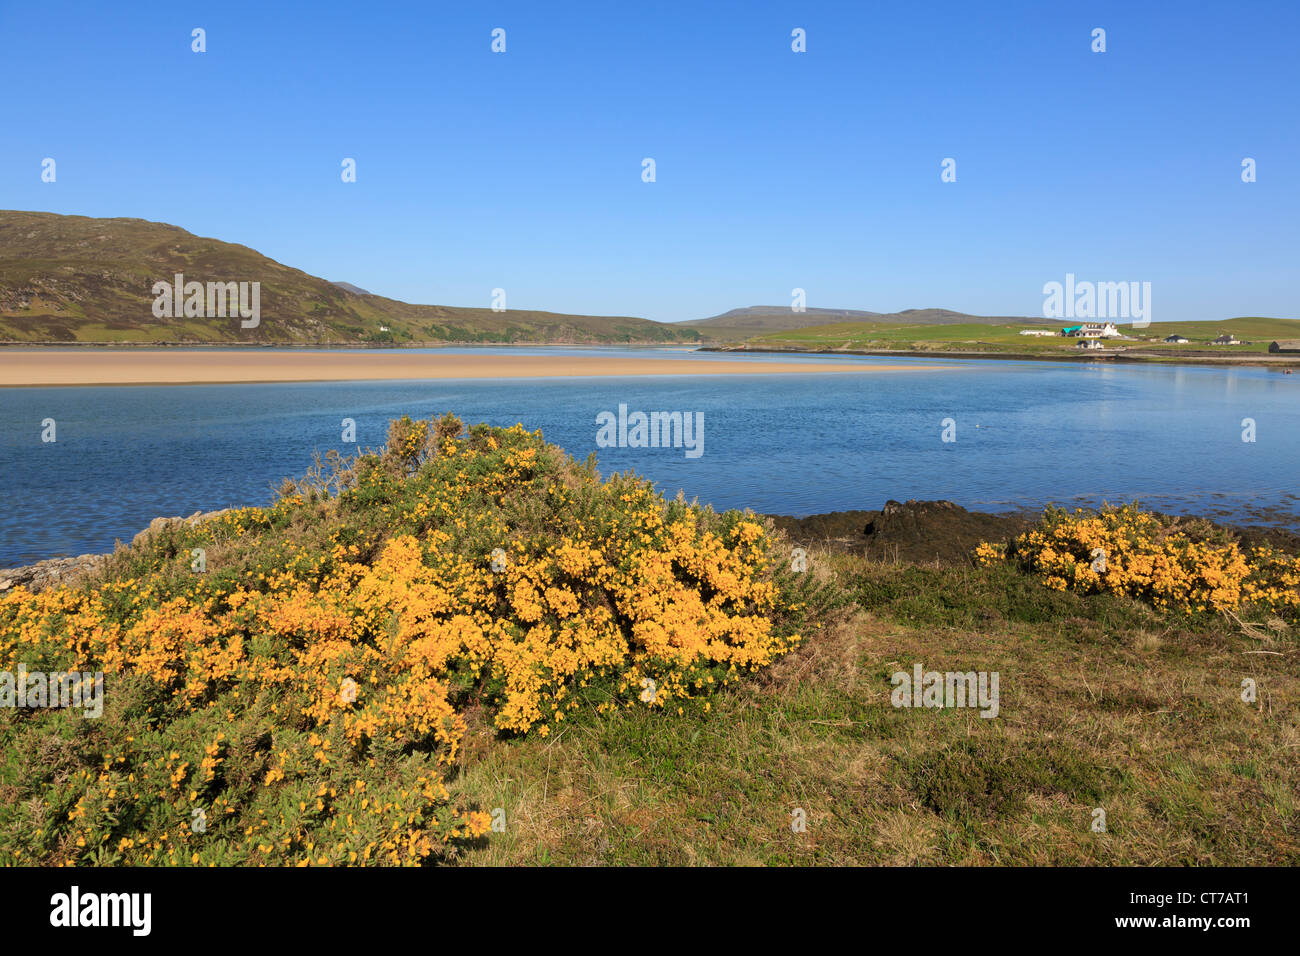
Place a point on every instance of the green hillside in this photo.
(77, 279)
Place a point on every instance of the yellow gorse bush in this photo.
(1123, 550)
(304, 693)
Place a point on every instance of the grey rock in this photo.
(51, 573)
(56, 572)
(160, 524)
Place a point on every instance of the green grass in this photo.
(1105, 704)
(1007, 338)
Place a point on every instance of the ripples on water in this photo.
(1027, 434)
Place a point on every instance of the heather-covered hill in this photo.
(76, 279)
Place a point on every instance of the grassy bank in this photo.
(1105, 704)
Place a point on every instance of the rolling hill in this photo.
(761, 319)
(71, 279)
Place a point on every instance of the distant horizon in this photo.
(812, 309)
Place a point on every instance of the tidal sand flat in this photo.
(164, 367)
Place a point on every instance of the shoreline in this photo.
(371, 352)
(166, 345)
(1264, 360)
(911, 531)
(47, 369)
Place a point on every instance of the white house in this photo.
(1176, 339)
(1227, 338)
(1037, 332)
(1092, 330)
(1089, 343)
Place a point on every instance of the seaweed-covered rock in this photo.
(912, 531)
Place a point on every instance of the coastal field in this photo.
(52, 367)
(1255, 335)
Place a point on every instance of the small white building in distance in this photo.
(1089, 343)
(1037, 332)
(1092, 330)
(1227, 338)
(1176, 339)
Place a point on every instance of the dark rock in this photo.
(1251, 536)
(922, 531)
(913, 531)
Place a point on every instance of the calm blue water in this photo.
(1027, 433)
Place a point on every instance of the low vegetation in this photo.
(304, 695)
(1167, 562)
(469, 648)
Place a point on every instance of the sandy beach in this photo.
(42, 367)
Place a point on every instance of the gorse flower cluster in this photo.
(1124, 550)
(300, 701)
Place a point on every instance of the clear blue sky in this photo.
(774, 169)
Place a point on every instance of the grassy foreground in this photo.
(469, 649)
(1105, 703)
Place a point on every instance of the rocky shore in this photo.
(63, 571)
(941, 531)
(51, 573)
(911, 531)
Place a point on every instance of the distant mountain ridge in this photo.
(79, 279)
(778, 318)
